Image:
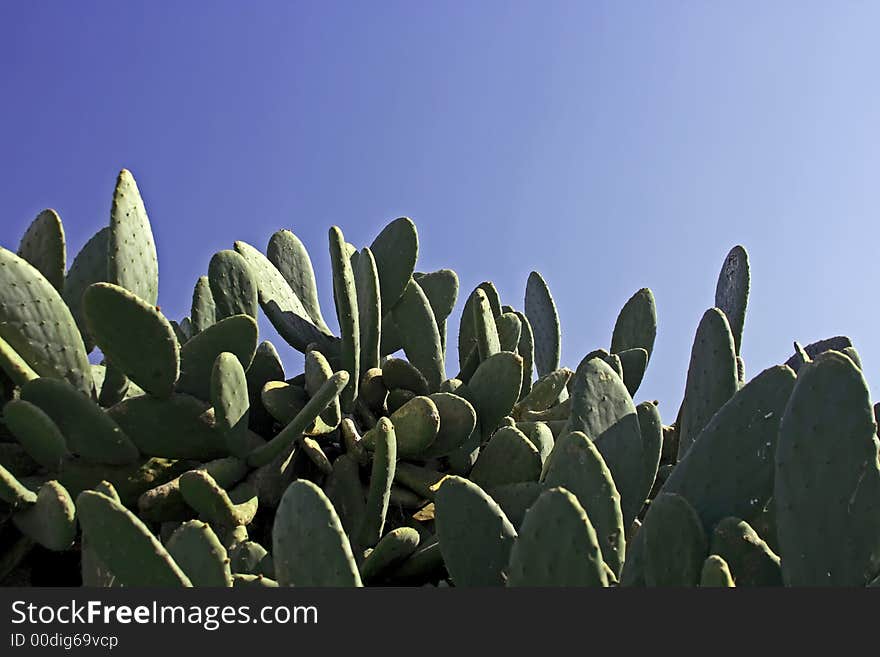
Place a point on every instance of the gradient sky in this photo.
(610, 146)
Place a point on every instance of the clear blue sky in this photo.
(608, 145)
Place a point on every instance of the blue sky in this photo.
(610, 146)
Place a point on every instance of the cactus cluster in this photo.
(188, 457)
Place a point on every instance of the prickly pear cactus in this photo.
(184, 455)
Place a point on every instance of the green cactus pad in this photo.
(526, 349)
(266, 366)
(199, 553)
(381, 476)
(636, 325)
(398, 373)
(88, 431)
(291, 258)
(396, 249)
(732, 291)
(423, 481)
(545, 391)
(751, 560)
(318, 372)
(214, 504)
(716, 573)
(283, 401)
(603, 409)
(457, 422)
(729, 469)
(369, 310)
(633, 363)
(204, 310)
(125, 545)
(115, 386)
(509, 331)
(394, 548)
(89, 266)
(180, 427)
(711, 378)
(44, 247)
(827, 481)
(233, 288)
(236, 334)
(309, 545)
(485, 328)
(475, 536)
(344, 490)
(544, 320)
(165, 502)
(577, 466)
(38, 326)
(416, 424)
(674, 543)
(36, 432)
(249, 557)
(281, 305)
(50, 521)
(131, 251)
(134, 336)
(310, 412)
(345, 295)
(441, 288)
(807, 354)
(651, 428)
(557, 545)
(419, 334)
(494, 389)
(509, 457)
(467, 332)
(229, 396)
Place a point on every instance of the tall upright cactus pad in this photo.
(675, 543)
(38, 326)
(633, 363)
(89, 266)
(509, 331)
(716, 573)
(415, 320)
(369, 305)
(396, 249)
(233, 287)
(602, 408)
(290, 257)
(711, 378)
(485, 328)
(381, 477)
(88, 431)
(281, 305)
(125, 545)
(636, 325)
(467, 332)
(827, 486)
(526, 349)
(309, 545)
(475, 535)
(732, 291)
(576, 465)
(457, 421)
(345, 295)
(229, 396)
(544, 320)
(441, 288)
(44, 247)
(729, 469)
(203, 310)
(134, 336)
(557, 545)
(131, 251)
(651, 427)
